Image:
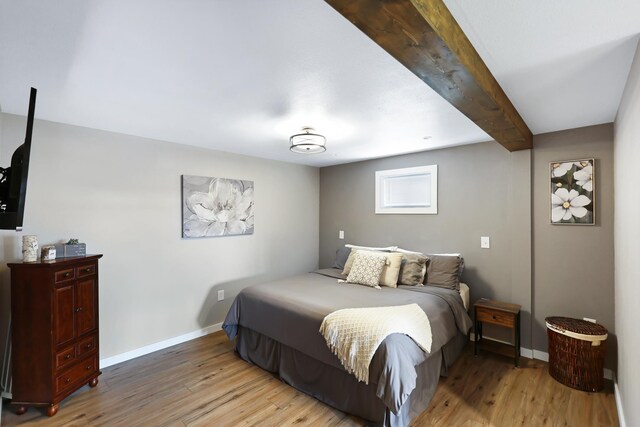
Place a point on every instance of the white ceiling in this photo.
(243, 75)
(563, 63)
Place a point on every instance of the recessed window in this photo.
(407, 191)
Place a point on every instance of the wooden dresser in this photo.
(54, 309)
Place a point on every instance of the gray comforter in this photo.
(291, 310)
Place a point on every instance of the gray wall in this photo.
(121, 195)
(627, 248)
(486, 191)
(483, 190)
(573, 265)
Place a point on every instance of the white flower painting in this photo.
(216, 206)
(572, 192)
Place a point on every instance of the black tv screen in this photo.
(13, 179)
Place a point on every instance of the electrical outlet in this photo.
(221, 295)
(341, 234)
(484, 242)
(589, 320)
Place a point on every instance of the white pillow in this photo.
(367, 269)
(391, 271)
(404, 251)
(369, 248)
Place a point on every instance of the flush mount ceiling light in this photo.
(308, 142)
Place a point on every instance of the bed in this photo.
(276, 327)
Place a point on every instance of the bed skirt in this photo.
(341, 390)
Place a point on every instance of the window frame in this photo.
(432, 190)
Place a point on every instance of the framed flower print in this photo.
(573, 192)
(216, 206)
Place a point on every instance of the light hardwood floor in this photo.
(203, 383)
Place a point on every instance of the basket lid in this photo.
(577, 328)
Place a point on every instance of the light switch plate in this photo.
(484, 242)
(221, 295)
(341, 234)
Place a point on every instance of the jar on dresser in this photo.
(55, 338)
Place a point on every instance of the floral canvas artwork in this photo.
(572, 192)
(216, 206)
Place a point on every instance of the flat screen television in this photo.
(13, 179)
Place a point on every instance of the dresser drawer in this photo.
(80, 371)
(495, 317)
(65, 357)
(87, 345)
(63, 275)
(86, 270)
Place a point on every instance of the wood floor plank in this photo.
(203, 382)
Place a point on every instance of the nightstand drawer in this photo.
(494, 317)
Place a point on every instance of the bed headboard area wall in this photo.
(483, 190)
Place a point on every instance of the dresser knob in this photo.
(67, 274)
(88, 367)
(87, 270)
(88, 346)
(68, 380)
(78, 310)
(68, 356)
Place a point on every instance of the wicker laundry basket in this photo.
(576, 352)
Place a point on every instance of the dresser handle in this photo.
(67, 274)
(68, 356)
(78, 310)
(87, 346)
(87, 270)
(494, 317)
(68, 380)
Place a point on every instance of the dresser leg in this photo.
(93, 382)
(21, 410)
(52, 410)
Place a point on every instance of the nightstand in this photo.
(498, 313)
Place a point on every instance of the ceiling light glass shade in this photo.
(308, 142)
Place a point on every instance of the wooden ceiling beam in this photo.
(425, 38)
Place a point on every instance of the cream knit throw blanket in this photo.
(354, 334)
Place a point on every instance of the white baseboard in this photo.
(537, 354)
(616, 392)
(123, 357)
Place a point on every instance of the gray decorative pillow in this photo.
(342, 255)
(444, 271)
(367, 269)
(413, 269)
